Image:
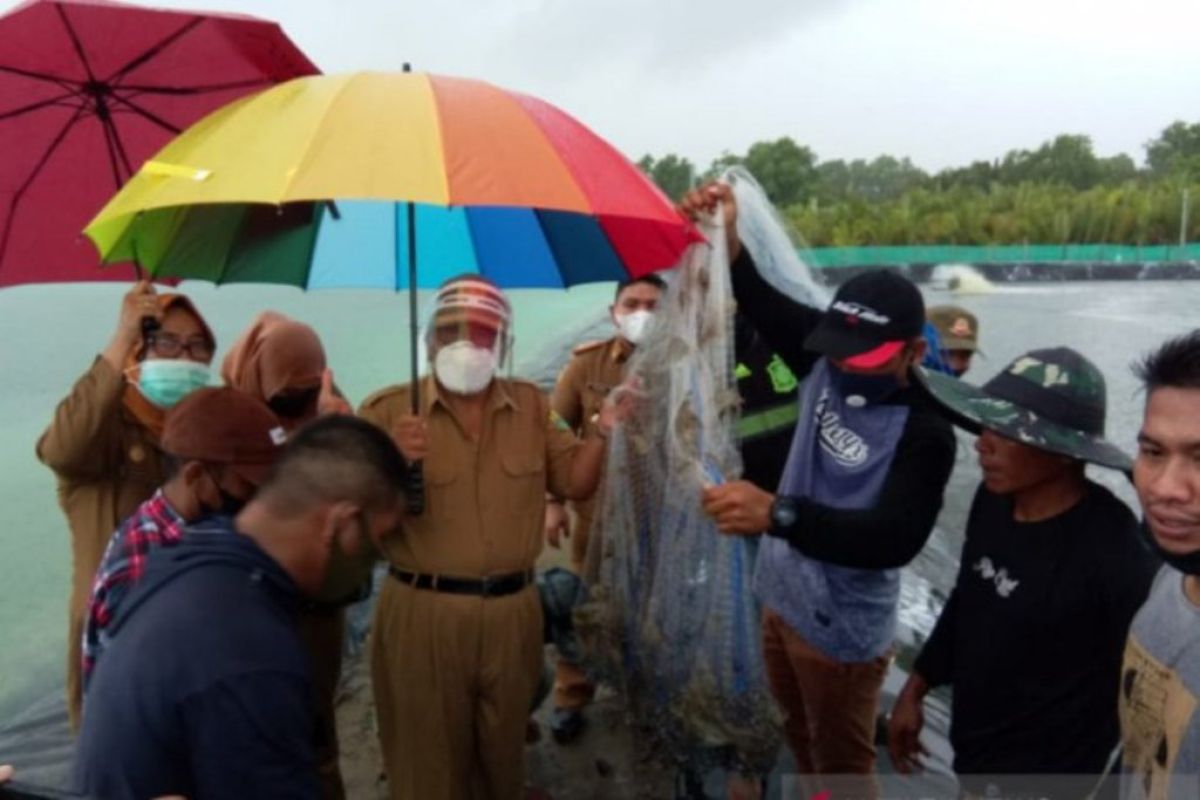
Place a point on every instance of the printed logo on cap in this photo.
(856, 312)
(961, 327)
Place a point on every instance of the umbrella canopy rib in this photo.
(15, 200)
(136, 89)
(75, 43)
(56, 100)
(66, 83)
(155, 50)
(146, 114)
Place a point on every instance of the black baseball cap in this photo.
(871, 317)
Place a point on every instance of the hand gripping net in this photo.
(669, 619)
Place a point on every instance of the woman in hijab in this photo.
(281, 362)
(103, 441)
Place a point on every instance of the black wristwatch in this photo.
(783, 513)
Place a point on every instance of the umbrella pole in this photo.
(415, 494)
(149, 324)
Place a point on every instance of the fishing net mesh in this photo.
(669, 618)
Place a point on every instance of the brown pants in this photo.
(322, 633)
(830, 706)
(454, 677)
(572, 689)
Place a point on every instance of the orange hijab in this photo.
(148, 415)
(273, 354)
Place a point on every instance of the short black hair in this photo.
(1175, 364)
(170, 466)
(651, 279)
(338, 458)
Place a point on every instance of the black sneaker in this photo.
(566, 724)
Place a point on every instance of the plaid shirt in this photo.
(155, 524)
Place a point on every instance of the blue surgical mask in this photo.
(861, 390)
(166, 381)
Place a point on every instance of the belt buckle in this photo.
(488, 585)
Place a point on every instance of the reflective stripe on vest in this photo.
(768, 420)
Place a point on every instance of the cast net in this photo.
(669, 618)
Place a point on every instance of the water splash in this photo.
(961, 279)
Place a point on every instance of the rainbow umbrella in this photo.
(354, 180)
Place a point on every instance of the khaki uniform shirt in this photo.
(107, 465)
(484, 500)
(594, 370)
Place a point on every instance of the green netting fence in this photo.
(832, 257)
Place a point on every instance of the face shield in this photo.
(467, 336)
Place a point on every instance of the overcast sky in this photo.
(942, 81)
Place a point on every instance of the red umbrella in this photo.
(89, 89)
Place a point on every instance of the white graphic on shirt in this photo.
(1005, 585)
(846, 446)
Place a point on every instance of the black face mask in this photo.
(229, 505)
(348, 578)
(871, 388)
(294, 404)
(1187, 563)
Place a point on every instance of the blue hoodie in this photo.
(205, 689)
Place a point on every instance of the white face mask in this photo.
(633, 326)
(464, 368)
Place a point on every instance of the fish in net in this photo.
(669, 619)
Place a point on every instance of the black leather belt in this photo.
(491, 586)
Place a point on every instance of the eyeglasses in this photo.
(170, 346)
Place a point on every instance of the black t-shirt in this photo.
(1032, 636)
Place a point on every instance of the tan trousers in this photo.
(322, 633)
(454, 677)
(829, 705)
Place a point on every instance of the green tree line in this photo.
(1061, 192)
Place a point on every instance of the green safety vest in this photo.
(777, 417)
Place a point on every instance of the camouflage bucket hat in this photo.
(1054, 400)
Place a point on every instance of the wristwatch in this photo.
(783, 513)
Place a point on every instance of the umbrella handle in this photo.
(414, 489)
(150, 326)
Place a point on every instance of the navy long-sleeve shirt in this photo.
(204, 690)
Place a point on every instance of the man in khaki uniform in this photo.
(102, 444)
(457, 636)
(594, 370)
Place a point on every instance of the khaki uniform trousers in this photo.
(454, 677)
